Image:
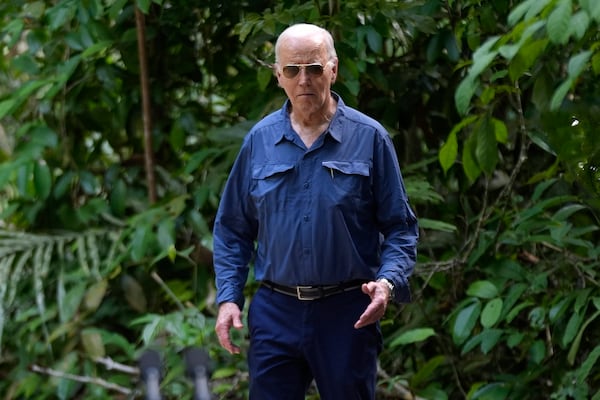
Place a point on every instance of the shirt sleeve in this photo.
(234, 231)
(396, 220)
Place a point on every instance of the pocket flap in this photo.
(267, 170)
(349, 167)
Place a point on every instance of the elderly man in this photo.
(316, 202)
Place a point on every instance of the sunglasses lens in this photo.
(290, 71)
(314, 70)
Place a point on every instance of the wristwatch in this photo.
(389, 284)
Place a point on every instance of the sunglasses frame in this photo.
(305, 67)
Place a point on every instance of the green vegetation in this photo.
(111, 170)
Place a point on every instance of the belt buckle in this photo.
(299, 293)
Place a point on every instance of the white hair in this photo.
(304, 30)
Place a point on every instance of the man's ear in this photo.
(276, 73)
(334, 71)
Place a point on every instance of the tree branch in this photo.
(82, 379)
(110, 364)
(400, 392)
(522, 150)
(167, 289)
(486, 211)
(146, 111)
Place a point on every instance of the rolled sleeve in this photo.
(398, 224)
(234, 233)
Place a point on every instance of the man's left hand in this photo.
(379, 293)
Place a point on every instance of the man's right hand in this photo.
(229, 316)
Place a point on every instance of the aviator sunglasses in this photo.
(290, 71)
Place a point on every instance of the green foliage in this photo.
(51, 288)
(97, 254)
(545, 54)
(521, 311)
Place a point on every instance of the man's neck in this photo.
(310, 119)
(310, 126)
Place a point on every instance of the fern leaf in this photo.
(17, 274)
(4, 272)
(92, 246)
(82, 255)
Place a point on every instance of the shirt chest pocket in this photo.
(269, 184)
(350, 179)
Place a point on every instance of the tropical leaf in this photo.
(559, 21)
(412, 336)
(27, 255)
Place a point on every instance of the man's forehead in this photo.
(305, 50)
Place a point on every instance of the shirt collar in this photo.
(334, 127)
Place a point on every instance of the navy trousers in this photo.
(295, 341)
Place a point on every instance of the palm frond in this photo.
(37, 256)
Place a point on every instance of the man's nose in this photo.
(303, 76)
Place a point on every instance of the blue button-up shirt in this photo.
(329, 214)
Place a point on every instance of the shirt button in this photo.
(306, 185)
(305, 218)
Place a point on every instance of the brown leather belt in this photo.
(313, 292)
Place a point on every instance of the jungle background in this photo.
(120, 119)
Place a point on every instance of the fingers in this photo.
(229, 316)
(372, 314)
(225, 340)
(368, 288)
(237, 322)
(376, 309)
